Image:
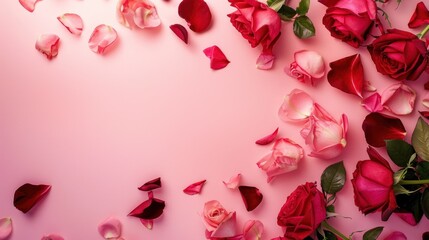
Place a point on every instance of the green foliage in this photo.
(275, 4)
(399, 151)
(303, 27)
(304, 6)
(333, 178)
(372, 234)
(420, 139)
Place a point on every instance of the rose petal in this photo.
(227, 228)
(218, 60)
(196, 13)
(253, 230)
(425, 100)
(149, 209)
(102, 37)
(368, 87)
(29, 195)
(151, 185)
(425, 236)
(396, 236)
(265, 61)
(424, 114)
(346, 74)
(426, 86)
(5, 228)
(110, 228)
(380, 127)
(233, 182)
(297, 107)
(408, 217)
(399, 99)
(52, 237)
(251, 196)
(308, 63)
(373, 103)
(72, 22)
(48, 44)
(268, 139)
(180, 31)
(194, 188)
(420, 16)
(30, 5)
(147, 223)
(137, 13)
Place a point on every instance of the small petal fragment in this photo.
(194, 188)
(147, 223)
(151, 185)
(72, 22)
(52, 237)
(102, 37)
(297, 107)
(346, 74)
(233, 182)
(196, 13)
(251, 196)
(379, 127)
(253, 230)
(268, 139)
(307, 67)
(29, 195)
(30, 5)
(48, 44)
(399, 99)
(265, 61)
(149, 209)
(110, 228)
(218, 60)
(373, 103)
(420, 16)
(137, 13)
(5, 228)
(180, 31)
(396, 236)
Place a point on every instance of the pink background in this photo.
(97, 127)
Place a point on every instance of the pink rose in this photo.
(308, 65)
(137, 13)
(284, 158)
(214, 214)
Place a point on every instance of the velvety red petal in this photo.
(102, 37)
(28, 195)
(346, 74)
(233, 182)
(110, 228)
(147, 223)
(218, 60)
(52, 237)
(420, 16)
(252, 197)
(196, 13)
(72, 22)
(5, 228)
(29, 4)
(194, 188)
(426, 86)
(151, 185)
(149, 209)
(180, 31)
(268, 139)
(48, 44)
(407, 217)
(380, 127)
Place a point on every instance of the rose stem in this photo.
(423, 33)
(414, 182)
(326, 226)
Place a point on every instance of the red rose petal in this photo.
(149, 209)
(194, 188)
(180, 31)
(29, 4)
(346, 74)
(426, 86)
(151, 185)
(29, 195)
(252, 197)
(72, 22)
(48, 44)
(147, 223)
(268, 139)
(424, 114)
(196, 13)
(420, 16)
(380, 127)
(102, 37)
(218, 60)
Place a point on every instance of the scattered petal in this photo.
(379, 127)
(147, 223)
(251, 196)
(52, 237)
(420, 16)
(297, 107)
(426, 86)
(265, 61)
(346, 74)
(196, 13)
(180, 31)
(29, 195)
(110, 228)
(308, 65)
(253, 230)
(227, 228)
(102, 37)
(137, 13)
(5, 228)
(233, 182)
(268, 139)
(408, 217)
(396, 236)
(30, 5)
(218, 60)
(425, 100)
(399, 99)
(149, 209)
(151, 185)
(48, 44)
(194, 188)
(373, 103)
(72, 22)
(424, 114)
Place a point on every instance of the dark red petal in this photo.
(420, 16)
(268, 139)
(151, 185)
(424, 114)
(194, 188)
(426, 86)
(380, 127)
(28, 195)
(346, 74)
(180, 31)
(149, 209)
(218, 60)
(251, 197)
(196, 13)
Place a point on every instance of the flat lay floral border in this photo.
(397, 53)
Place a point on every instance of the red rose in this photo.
(303, 212)
(373, 185)
(258, 24)
(349, 20)
(399, 54)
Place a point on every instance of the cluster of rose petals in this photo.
(72, 22)
(5, 228)
(308, 66)
(217, 58)
(101, 38)
(196, 13)
(399, 99)
(420, 16)
(347, 75)
(48, 44)
(28, 195)
(233, 182)
(251, 196)
(194, 188)
(380, 127)
(29, 4)
(137, 13)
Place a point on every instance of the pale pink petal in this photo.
(368, 87)
(373, 103)
(399, 99)
(72, 22)
(253, 230)
(425, 100)
(48, 44)
(102, 37)
(265, 61)
(297, 107)
(137, 13)
(147, 223)
(233, 182)
(268, 139)
(194, 188)
(52, 237)
(147, 17)
(227, 229)
(5, 228)
(110, 228)
(310, 63)
(29, 4)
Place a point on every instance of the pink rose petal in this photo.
(297, 107)
(194, 188)
(253, 230)
(151, 185)
(380, 127)
(5, 228)
(48, 44)
(420, 16)
(149, 209)
(137, 13)
(265, 61)
(226, 229)
(180, 31)
(268, 139)
(72, 22)
(29, 195)
(29, 4)
(399, 99)
(102, 37)
(424, 114)
(373, 103)
(147, 223)
(251, 196)
(368, 87)
(408, 217)
(233, 182)
(346, 74)
(218, 60)
(110, 228)
(308, 65)
(396, 236)
(52, 237)
(425, 100)
(196, 13)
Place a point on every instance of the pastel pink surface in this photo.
(95, 127)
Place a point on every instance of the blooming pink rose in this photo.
(284, 158)
(308, 65)
(137, 13)
(399, 99)
(214, 214)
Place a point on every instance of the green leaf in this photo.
(420, 139)
(286, 13)
(422, 170)
(399, 175)
(276, 4)
(303, 7)
(425, 202)
(303, 27)
(330, 208)
(399, 189)
(333, 178)
(399, 151)
(372, 234)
